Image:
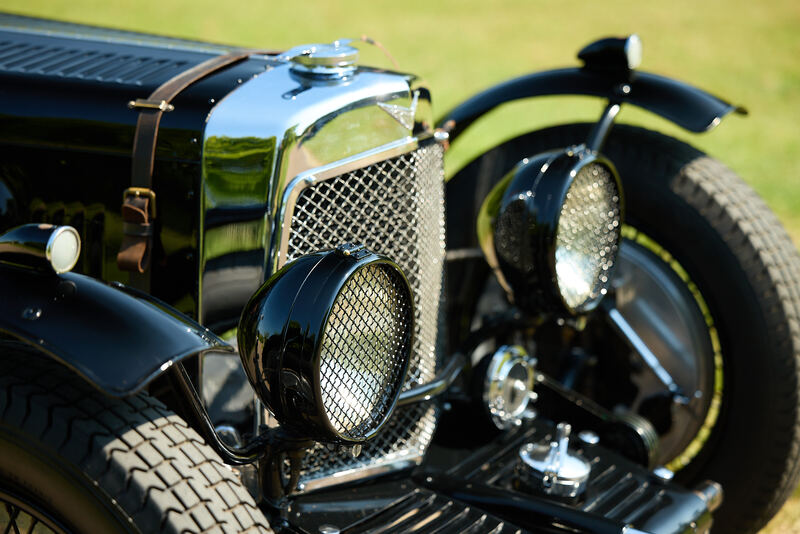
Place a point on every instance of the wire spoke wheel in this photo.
(709, 281)
(20, 517)
(661, 303)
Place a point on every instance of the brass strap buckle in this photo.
(143, 103)
(142, 192)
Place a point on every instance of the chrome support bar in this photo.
(438, 385)
(597, 138)
(711, 493)
(640, 348)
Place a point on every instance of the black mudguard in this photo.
(683, 104)
(116, 339)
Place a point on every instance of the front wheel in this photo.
(74, 460)
(707, 268)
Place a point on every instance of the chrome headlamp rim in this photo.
(281, 346)
(51, 244)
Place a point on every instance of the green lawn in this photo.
(747, 52)
(743, 50)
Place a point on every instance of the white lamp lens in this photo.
(64, 249)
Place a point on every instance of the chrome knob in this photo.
(551, 468)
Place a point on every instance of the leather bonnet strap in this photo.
(138, 203)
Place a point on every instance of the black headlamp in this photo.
(551, 230)
(326, 343)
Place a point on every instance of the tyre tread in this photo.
(143, 456)
(770, 261)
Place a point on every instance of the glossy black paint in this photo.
(114, 340)
(270, 442)
(618, 492)
(195, 412)
(458, 490)
(606, 55)
(27, 245)
(280, 338)
(64, 158)
(66, 137)
(524, 209)
(397, 507)
(8, 207)
(683, 104)
(521, 509)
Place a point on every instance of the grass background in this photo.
(744, 51)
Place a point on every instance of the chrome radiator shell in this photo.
(277, 139)
(262, 136)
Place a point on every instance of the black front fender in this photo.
(116, 340)
(681, 103)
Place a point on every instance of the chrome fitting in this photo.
(508, 387)
(711, 493)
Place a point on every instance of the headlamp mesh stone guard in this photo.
(588, 236)
(395, 208)
(364, 349)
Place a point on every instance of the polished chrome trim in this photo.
(552, 468)
(314, 176)
(143, 103)
(292, 194)
(403, 115)
(663, 473)
(589, 437)
(599, 134)
(336, 60)
(640, 347)
(360, 473)
(460, 254)
(711, 493)
(496, 380)
(262, 134)
(32, 245)
(438, 385)
(260, 142)
(48, 250)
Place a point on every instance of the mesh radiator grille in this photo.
(395, 208)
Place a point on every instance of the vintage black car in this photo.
(237, 294)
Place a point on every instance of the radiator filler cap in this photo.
(332, 60)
